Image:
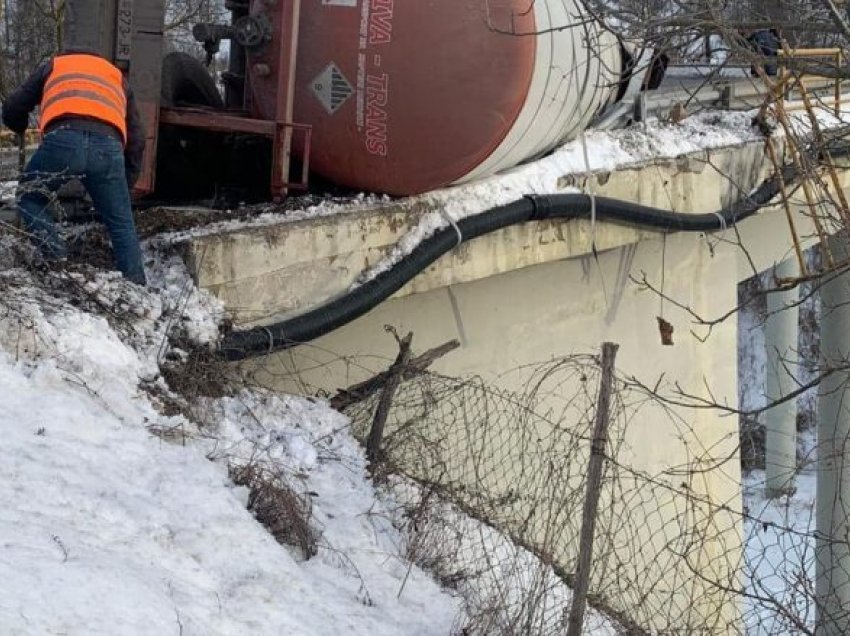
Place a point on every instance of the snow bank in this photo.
(109, 529)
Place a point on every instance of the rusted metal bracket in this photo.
(281, 134)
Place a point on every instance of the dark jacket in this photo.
(765, 43)
(19, 105)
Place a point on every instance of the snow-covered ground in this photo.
(122, 515)
(779, 557)
(109, 528)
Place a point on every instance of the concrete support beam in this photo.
(781, 420)
(269, 272)
(832, 550)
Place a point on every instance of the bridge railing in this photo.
(791, 80)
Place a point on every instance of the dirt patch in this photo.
(160, 220)
(91, 247)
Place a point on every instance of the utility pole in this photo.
(832, 550)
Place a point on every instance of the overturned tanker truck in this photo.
(396, 97)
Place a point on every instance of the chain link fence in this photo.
(676, 550)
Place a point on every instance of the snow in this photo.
(779, 537)
(7, 190)
(98, 508)
(108, 528)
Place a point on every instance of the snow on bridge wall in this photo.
(265, 273)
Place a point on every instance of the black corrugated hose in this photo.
(258, 341)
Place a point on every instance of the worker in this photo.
(92, 132)
(765, 43)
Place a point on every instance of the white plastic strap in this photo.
(271, 339)
(722, 221)
(452, 222)
(591, 193)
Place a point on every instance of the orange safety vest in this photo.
(85, 85)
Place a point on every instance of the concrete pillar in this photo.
(832, 551)
(780, 335)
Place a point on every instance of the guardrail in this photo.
(729, 94)
(737, 94)
(788, 81)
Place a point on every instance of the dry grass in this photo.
(200, 373)
(284, 513)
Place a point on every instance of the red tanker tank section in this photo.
(408, 96)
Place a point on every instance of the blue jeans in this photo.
(98, 161)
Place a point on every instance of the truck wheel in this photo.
(185, 82)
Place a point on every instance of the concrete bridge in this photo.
(536, 291)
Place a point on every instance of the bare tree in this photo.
(182, 15)
(32, 32)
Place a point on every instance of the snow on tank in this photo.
(405, 96)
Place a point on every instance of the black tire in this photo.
(657, 71)
(185, 82)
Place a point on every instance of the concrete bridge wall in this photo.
(534, 292)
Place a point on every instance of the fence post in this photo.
(376, 433)
(594, 481)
